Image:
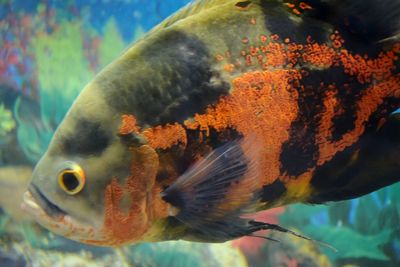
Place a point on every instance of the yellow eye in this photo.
(72, 179)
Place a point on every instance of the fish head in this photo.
(90, 185)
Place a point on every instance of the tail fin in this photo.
(371, 20)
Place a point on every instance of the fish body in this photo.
(227, 107)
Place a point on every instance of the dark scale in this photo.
(300, 152)
(172, 84)
(278, 22)
(89, 138)
(374, 158)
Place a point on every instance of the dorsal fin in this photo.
(372, 20)
(190, 9)
(193, 8)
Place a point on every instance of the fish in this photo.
(224, 109)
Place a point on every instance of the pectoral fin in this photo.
(212, 196)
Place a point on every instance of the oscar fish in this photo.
(226, 108)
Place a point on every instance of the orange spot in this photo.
(336, 44)
(249, 60)
(304, 6)
(128, 125)
(290, 5)
(253, 21)
(219, 57)
(229, 67)
(254, 50)
(337, 40)
(245, 40)
(275, 37)
(296, 11)
(263, 38)
(166, 136)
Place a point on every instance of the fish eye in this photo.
(72, 179)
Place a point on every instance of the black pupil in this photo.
(70, 181)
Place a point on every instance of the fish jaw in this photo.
(62, 223)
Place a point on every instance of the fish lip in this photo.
(48, 207)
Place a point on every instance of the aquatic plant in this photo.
(181, 253)
(7, 123)
(111, 45)
(62, 71)
(4, 218)
(364, 229)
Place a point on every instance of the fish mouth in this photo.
(35, 200)
(52, 217)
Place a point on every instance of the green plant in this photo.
(363, 228)
(7, 123)
(4, 218)
(181, 253)
(62, 72)
(112, 44)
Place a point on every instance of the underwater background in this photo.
(49, 50)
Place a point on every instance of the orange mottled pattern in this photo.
(261, 104)
(272, 53)
(166, 136)
(372, 98)
(162, 136)
(128, 125)
(297, 7)
(265, 102)
(126, 211)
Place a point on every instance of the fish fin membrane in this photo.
(213, 194)
(373, 20)
(207, 204)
